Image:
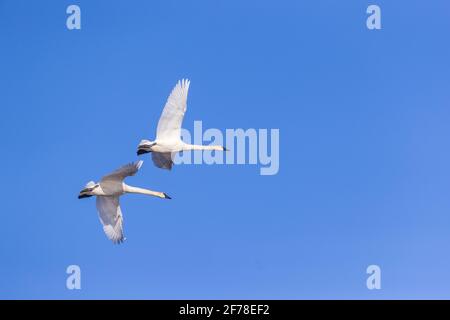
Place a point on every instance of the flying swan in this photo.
(168, 133)
(108, 192)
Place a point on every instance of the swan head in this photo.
(88, 190)
(145, 146)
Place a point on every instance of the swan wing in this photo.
(111, 217)
(123, 172)
(163, 160)
(169, 125)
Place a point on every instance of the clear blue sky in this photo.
(364, 153)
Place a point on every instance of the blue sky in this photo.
(364, 148)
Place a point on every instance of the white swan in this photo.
(168, 133)
(108, 191)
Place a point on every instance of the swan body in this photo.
(108, 191)
(168, 133)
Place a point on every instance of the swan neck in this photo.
(130, 189)
(199, 147)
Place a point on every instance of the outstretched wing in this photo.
(111, 217)
(169, 125)
(163, 160)
(123, 172)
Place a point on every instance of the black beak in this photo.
(166, 196)
(143, 150)
(82, 196)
